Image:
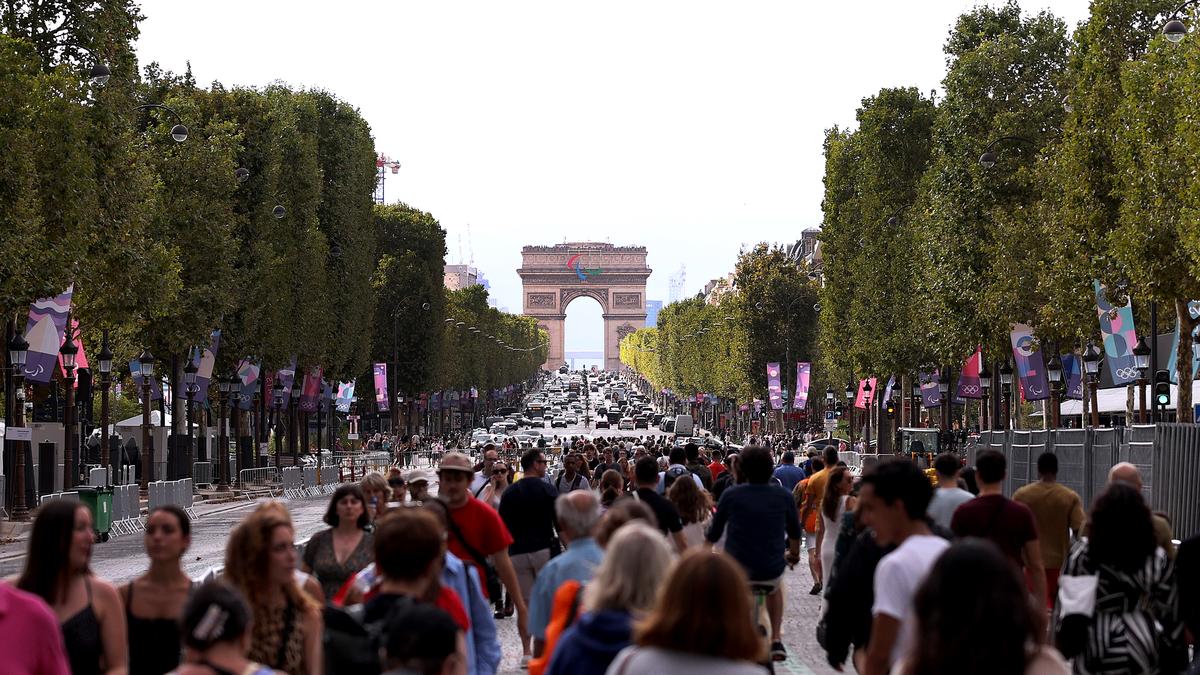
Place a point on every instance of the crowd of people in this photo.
(631, 557)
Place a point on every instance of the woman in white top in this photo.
(695, 509)
(836, 502)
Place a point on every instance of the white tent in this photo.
(135, 422)
(1113, 400)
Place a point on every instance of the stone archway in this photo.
(615, 276)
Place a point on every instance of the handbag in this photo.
(494, 588)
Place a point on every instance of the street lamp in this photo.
(1091, 362)
(68, 353)
(277, 399)
(1054, 371)
(1141, 360)
(294, 420)
(989, 157)
(146, 369)
(1006, 380)
(179, 132)
(224, 384)
(18, 351)
(985, 386)
(106, 358)
(189, 390)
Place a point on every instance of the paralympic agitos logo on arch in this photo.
(576, 266)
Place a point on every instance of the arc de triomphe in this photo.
(615, 276)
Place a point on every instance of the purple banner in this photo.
(774, 391)
(205, 360)
(135, 371)
(1073, 376)
(930, 396)
(887, 391)
(311, 389)
(1030, 367)
(286, 376)
(381, 392)
(802, 372)
(1116, 326)
(345, 394)
(968, 379)
(248, 372)
(44, 333)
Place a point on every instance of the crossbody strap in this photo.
(479, 558)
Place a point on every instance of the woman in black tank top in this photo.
(88, 608)
(154, 602)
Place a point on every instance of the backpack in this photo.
(351, 644)
(574, 481)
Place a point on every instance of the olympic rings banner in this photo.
(1030, 366)
(1116, 325)
(1194, 310)
(968, 379)
(774, 390)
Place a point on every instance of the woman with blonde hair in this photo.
(376, 494)
(701, 623)
(260, 562)
(624, 588)
(611, 487)
(695, 509)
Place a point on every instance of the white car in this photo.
(625, 423)
(539, 422)
(558, 421)
(572, 418)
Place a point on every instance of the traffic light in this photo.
(840, 409)
(891, 409)
(1162, 388)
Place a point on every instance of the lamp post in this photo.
(146, 367)
(1006, 383)
(985, 386)
(18, 350)
(68, 353)
(223, 386)
(1091, 362)
(1054, 371)
(1141, 359)
(294, 420)
(1175, 29)
(106, 358)
(868, 410)
(915, 412)
(944, 397)
(235, 415)
(189, 388)
(277, 399)
(850, 410)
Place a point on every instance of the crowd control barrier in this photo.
(127, 510)
(202, 473)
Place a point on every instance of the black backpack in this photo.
(351, 644)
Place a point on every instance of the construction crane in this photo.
(382, 164)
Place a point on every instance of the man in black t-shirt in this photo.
(646, 474)
(527, 509)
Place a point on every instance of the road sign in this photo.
(19, 434)
(830, 420)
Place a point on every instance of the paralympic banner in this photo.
(802, 373)
(248, 373)
(311, 390)
(774, 391)
(285, 377)
(1116, 325)
(135, 370)
(44, 333)
(865, 397)
(887, 391)
(930, 396)
(204, 359)
(381, 392)
(1194, 310)
(1073, 376)
(968, 379)
(345, 394)
(1030, 366)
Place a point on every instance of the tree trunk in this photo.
(1129, 418)
(1183, 363)
(178, 415)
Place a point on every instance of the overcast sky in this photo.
(687, 127)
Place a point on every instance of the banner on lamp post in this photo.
(44, 333)
(285, 377)
(968, 379)
(381, 393)
(1031, 369)
(802, 376)
(865, 397)
(774, 390)
(311, 389)
(1073, 376)
(1116, 326)
(1194, 311)
(248, 373)
(345, 394)
(930, 396)
(204, 359)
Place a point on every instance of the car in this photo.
(602, 424)
(539, 422)
(656, 418)
(498, 429)
(641, 422)
(626, 423)
(509, 426)
(667, 425)
(493, 420)
(558, 421)
(572, 418)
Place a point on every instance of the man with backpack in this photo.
(570, 478)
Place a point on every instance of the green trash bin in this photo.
(99, 501)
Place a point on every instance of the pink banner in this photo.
(802, 373)
(311, 390)
(864, 398)
(968, 379)
(774, 391)
(381, 392)
(44, 333)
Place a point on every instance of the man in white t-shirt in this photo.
(892, 502)
(481, 478)
(949, 496)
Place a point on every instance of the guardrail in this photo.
(127, 510)
(73, 496)
(259, 482)
(202, 473)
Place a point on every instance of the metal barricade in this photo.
(3, 497)
(202, 473)
(73, 496)
(1074, 460)
(98, 477)
(1022, 458)
(292, 480)
(1176, 463)
(1138, 449)
(158, 493)
(1105, 448)
(259, 482)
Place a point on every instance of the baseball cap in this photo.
(456, 461)
(418, 476)
(674, 471)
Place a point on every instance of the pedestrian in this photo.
(260, 562)
(399, 487)
(836, 503)
(682, 632)
(727, 478)
(763, 533)
(972, 617)
(698, 468)
(948, 496)
(418, 486)
(607, 464)
(1009, 524)
(154, 601)
(846, 619)
(423, 639)
(1058, 513)
(636, 561)
(577, 515)
(814, 494)
(1187, 573)
(571, 477)
(339, 552)
(216, 631)
(1117, 610)
(484, 475)
(527, 509)
(646, 476)
(476, 532)
(716, 467)
(496, 486)
(1128, 473)
(695, 510)
(893, 499)
(788, 473)
(810, 522)
(612, 487)
(32, 641)
(87, 607)
(376, 494)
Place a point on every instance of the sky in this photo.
(690, 127)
